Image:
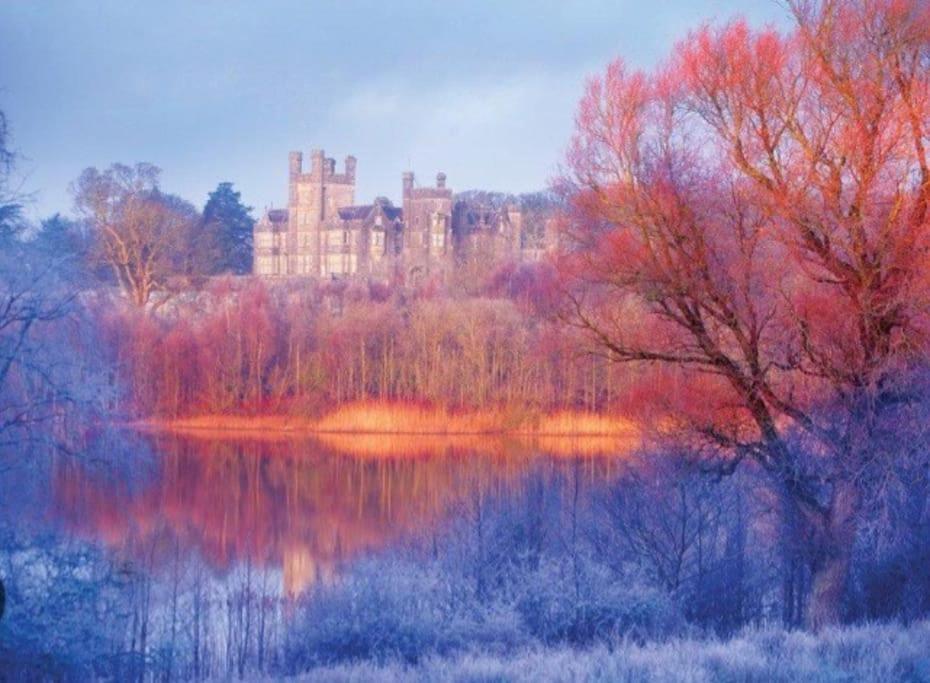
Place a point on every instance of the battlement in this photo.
(322, 168)
(440, 191)
(324, 233)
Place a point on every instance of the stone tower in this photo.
(323, 234)
(427, 245)
(313, 198)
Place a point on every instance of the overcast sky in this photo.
(212, 91)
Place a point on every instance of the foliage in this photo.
(752, 217)
(48, 376)
(249, 347)
(68, 641)
(146, 238)
(600, 606)
(230, 224)
(10, 201)
(380, 612)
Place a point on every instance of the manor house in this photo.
(324, 233)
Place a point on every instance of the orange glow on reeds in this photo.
(407, 419)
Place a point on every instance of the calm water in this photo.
(154, 557)
(300, 509)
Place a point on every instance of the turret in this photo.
(408, 182)
(441, 180)
(295, 162)
(318, 158)
(350, 168)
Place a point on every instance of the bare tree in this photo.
(143, 236)
(38, 372)
(752, 219)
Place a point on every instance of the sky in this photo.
(215, 91)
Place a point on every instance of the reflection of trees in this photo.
(295, 504)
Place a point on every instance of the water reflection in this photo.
(302, 506)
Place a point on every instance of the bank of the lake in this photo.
(405, 419)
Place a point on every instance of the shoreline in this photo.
(174, 427)
(405, 421)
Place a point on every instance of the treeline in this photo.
(184, 335)
(129, 233)
(250, 347)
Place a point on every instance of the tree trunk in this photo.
(832, 556)
(827, 586)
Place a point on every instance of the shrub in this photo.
(599, 606)
(378, 612)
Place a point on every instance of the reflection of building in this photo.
(323, 233)
(302, 570)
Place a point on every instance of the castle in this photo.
(323, 233)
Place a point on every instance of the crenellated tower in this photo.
(313, 198)
(323, 234)
(427, 228)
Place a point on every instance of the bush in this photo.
(66, 615)
(600, 606)
(390, 610)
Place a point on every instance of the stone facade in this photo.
(324, 234)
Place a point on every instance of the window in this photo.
(338, 264)
(345, 236)
(377, 238)
(333, 264)
(439, 240)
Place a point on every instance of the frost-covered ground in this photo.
(875, 653)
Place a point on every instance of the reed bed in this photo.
(397, 418)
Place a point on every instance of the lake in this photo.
(154, 556)
(302, 509)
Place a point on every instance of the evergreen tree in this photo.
(60, 235)
(230, 222)
(10, 202)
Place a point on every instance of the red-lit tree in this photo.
(752, 218)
